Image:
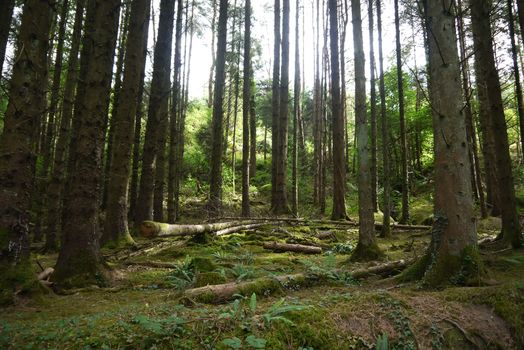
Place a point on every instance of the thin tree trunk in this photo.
(156, 113)
(384, 131)
(246, 101)
(235, 113)
(116, 229)
(275, 103)
(215, 183)
(213, 56)
(373, 110)
(79, 262)
(252, 128)
(25, 107)
(296, 116)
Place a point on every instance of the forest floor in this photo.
(145, 307)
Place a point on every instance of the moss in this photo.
(445, 269)
(19, 279)
(366, 253)
(262, 286)
(415, 271)
(201, 264)
(209, 278)
(82, 269)
(123, 240)
(206, 298)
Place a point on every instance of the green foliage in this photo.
(382, 342)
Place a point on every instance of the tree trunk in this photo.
(384, 131)
(404, 218)
(156, 229)
(55, 187)
(213, 56)
(6, 14)
(520, 10)
(339, 161)
(156, 113)
(373, 108)
(367, 248)
(487, 78)
(246, 101)
(160, 169)
(252, 128)
(275, 102)
(26, 106)
(215, 183)
(116, 229)
(296, 116)
(79, 262)
(453, 249)
(297, 248)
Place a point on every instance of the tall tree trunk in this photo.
(487, 78)
(367, 248)
(296, 116)
(246, 108)
(453, 248)
(55, 188)
(215, 184)
(275, 102)
(386, 231)
(404, 218)
(116, 229)
(25, 107)
(175, 102)
(235, 111)
(160, 169)
(516, 73)
(156, 112)
(317, 143)
(339, 161)
(252, 128)
(79, 261)
(373, 108)
(213, 56)
(6, 14)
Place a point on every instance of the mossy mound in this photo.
(366, 253)
(209, 278)
(202, 264)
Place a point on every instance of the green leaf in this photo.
(233, 343)
(257, 343)
(382, 342)
(253, 302)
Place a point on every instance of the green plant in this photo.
(242, 272)
(183, 274)
(382, 342)
(277, 310)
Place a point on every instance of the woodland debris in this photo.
(154, 264)
(234, 229)
(325, 235)
(157, 229)
(288, 247)
(44, 275)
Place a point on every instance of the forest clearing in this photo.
(237, 174)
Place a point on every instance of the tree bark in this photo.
(213, 56)
(246, 101)
(157, 111)
(373, 108)
(116, 229)
(25, 107)
(215, 197)
(367, 248)
(386, 204)
(156, 229)
(79, 262)
(339, 161)
(297, 248)
(296, 116)
(275, 102)
(487, 78)
(6, 15)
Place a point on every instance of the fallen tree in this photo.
(157, 229)
(326, 222)
(288, 247)
(219, 293)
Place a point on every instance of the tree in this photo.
(116, 229)
(25, 109)
(157, 111)
(367, 248)
(246, 108)
(275, 101)
(452, 255)
(373, 107)
(404, 218)
(296, 116)
(280, 205)
(488, 82)
(386, 209)
(215, 195)
(6, 14)
(79, 262)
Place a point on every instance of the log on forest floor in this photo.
(156, 229)
(219, 293)
(287, 247)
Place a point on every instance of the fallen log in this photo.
(234, 229)
(157, 229)
(219, 293)
(288, 247)
(154, 264)
(328, 222)
(45, 274)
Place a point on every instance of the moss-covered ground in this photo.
(144, 308)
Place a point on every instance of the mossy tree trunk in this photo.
(79, 262)
(373, 107)
(488, 81)
(116, 227)
(367, 248)
(246, 101)
(452, 255)
(157, 111)
(55, 186)
(215, 197)
(25, 108)
(275, 100)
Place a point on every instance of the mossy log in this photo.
(219, 293)
(157, 229)
(154, 264)
(328, 222)
(287, 247)
(242, 227)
